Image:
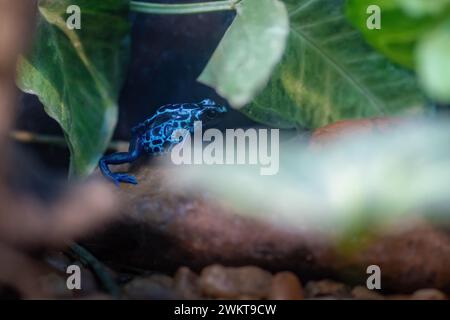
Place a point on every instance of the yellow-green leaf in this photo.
(329, 73)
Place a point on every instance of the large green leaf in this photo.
(242, 63)
(329, 73)
(78, 74)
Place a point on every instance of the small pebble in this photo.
(217, 281)
(286, 286)
(327, 287)
(97, 296)
(398, 297)
(428, 294)
(158, 287)
(362, 293)
(186, 284)
(243, 298)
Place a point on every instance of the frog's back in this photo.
(156, 132)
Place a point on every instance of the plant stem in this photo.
(30, 137)
(185, 8)
(97, 267)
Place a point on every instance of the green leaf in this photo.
(242, 63)
(433, 63)
(403, 24)
(78, 74)
(329, 73)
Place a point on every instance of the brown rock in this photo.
(231, 283)
(362, 293)
(163, 229)
(97, 296)
(428, 294)
(286, 286)
(186, 284)
(325, 298)
(416, 257)
(345, 128)
(324, 288)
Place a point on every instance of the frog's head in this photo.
(209, 111)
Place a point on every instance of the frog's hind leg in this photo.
(119, 158)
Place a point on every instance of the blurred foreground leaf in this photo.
(359, 184)
(78, 74)
(328, 73)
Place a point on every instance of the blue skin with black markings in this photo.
(155, 136)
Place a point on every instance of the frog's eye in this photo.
(211, 113)
(207, 102)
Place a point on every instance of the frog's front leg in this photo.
(133, 153)
(178, 137)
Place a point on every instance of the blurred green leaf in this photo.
(414, 33)
(423, 7)
(329, 73)
(242, 63)
(78, 74)
(400, 31)
(433, 62)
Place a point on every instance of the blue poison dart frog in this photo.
(154, 135)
